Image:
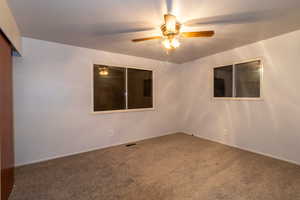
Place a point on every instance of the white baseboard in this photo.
(86, 150)
(246, 149)
(144, 138)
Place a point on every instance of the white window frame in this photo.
(233, 84)
(124, 110)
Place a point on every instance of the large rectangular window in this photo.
(241, 80)
(119, 88)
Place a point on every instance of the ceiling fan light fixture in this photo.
(167, 43)
(175, 43)
(171, 31)
(172, 43)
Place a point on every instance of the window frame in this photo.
(260, 98)
(153, 108)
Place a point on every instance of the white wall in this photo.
(270, 126)
(53, 94)
(52, 102)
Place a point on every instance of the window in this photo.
(247, 79)
(223, 77)
(139, 89)
(242, 80)
(119, 88)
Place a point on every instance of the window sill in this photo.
(123, 111)
(238, 99)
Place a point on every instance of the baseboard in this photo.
(246, 149)
(88, 150)
(145, 138)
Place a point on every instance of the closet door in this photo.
(6, 119)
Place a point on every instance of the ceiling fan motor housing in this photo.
(171, 31)
(167, 33)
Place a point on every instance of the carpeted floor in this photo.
(173, 167)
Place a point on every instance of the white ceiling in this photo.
(110, 25)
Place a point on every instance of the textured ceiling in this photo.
(109, 25)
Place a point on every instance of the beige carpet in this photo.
(173, 167)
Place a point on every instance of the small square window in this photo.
(242, 80)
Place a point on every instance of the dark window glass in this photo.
(109, 88)
(223, 79)
(139, 89)
(247, 79)
(148, 88)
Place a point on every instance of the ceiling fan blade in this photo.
(239, 18)
(198, 34)
(147, 38)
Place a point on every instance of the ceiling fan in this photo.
(171, 32)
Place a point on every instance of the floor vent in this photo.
(131, 144)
